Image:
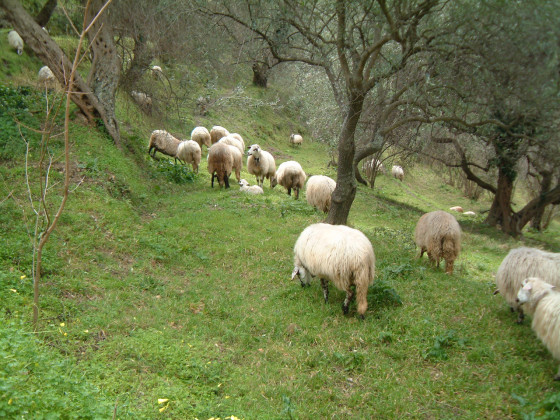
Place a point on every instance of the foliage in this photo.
(177, 173)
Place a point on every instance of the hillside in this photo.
(157, 287)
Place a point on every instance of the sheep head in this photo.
(301, 273)
(533, 290)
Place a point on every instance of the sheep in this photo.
(521, 263)
(143, 100)
(237, 161)
(189, 152)
(319, 190)
(261, 164)
(438, 233)
(296, 139)
(369, 165)
(217, 132)
(238, 137)
(233, 141)
(290, 175)
(397, 172)
(162, 141)
(46, 76)
(220, 163)
(337, 253)
(157, 73)
(542, 301)
(15, 41)
(202, 136)
(458, 209)
(249, 189)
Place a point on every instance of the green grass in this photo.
(155, 289)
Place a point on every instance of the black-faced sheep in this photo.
(220, 163)
(15, 42)
(261, 164)
(319, 190)
(438, 233)
(521, 263)
(202, 136)
(296, 140)
(163, 142)
(397, 172)
(291, 176)
(249, 189)
(189, 152)
(337, 253)
(543, 302)
(217, 132)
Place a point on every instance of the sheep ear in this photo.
(527, 286)
(295, 272)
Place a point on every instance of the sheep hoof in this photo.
(345, 309)
(362, 317)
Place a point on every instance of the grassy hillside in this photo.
(157, 286)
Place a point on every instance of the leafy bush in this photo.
(179, 174)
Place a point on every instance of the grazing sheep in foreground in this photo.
(202, 136)
(189, 152)
(319, 190)
(261, 164)
(46, 76)
(233, 141)
(163, 142)
(438, 233)
(521, 263)
(296, 140)
(456, 208)
(397, 172)
(290, 175)
(337, 253)
(217, 132)
(237, 160)
(249, 189)
(220, 163)
(15, 41)
(543, 303)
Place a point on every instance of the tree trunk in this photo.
(363, 152)
(345, 191)
(260, 74)
(46, 12)
(535, 207)
(142, 56)
(51, 55)
(536, 221)
(500, 211)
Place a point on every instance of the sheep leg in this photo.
(289, 191)
(296, 191)
(325, 285)
(520, 316)
(226, 180)
(346, 304)
(213, 180)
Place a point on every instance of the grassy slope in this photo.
(183, 292)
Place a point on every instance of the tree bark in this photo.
(500, 211)
(51, 55)
(46, 12)
(260, 74)
(142, 56)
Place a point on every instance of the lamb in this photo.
(189, 152)
(15, 41)
(234, 141)
(542, 301)
(261, 164)
(296, 139)
(290, 175)
(249, 189)
(319, 192)
(438, 233)
(458, 209)
(217, 132)
(163, 142)
(46, 76)
(237, 160)
(337, 253)
(220, 163)
(202, 136)
(397, 172)
(521, 263)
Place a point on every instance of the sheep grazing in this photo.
(217, 132)
(202, 136)
(189, 152)
(521, 263)
(249, 189)
(233, 141)
(163, 142)
(220, 163)
(143, 100)
(291, 176)
(15, 41)
(337, 253)
(438, 233)
(397, 172)
(237, 160)
(543, 303)
(319, 190)
(261, 164)
(296, 140)
(46, 76)
(456, 208)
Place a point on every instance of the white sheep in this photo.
(369, 165)
(237, 160)
(163, 142)
(143, 100)
(397, 172)
(234, 141)
(261, 164)
(15, 41)
(217, 132)
(337, 253)
(238, 137)
(543, 302)
(220, 163)
(157, 73)
(46, 76)
(521, 263)
(296, 139)
(291, 176)
(438, 233)
(189, 151)
(319, 190)
(458, 209)
(249, 189)
(202, 136)
(469, 213)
